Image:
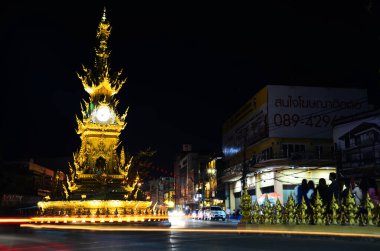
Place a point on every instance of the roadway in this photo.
(185, 234)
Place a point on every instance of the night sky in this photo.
(189, 67)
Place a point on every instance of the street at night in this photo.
(131, 126)
(175, 239)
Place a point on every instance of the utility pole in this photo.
(187, 184)
(203, 187)
(244, 171)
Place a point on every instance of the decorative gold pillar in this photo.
(366, 215)
(277, 216)
(255, 219)
(246, 206)
(349, 210)
(318, 211)
(332, 216)
(302, 212)
(290, 211)
(267, 211)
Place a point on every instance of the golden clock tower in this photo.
(97, 184)
(98, 171)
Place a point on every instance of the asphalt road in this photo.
(173, 239)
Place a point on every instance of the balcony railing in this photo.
(348, 162)
(358, 147)
(364, 156)
(294, 156)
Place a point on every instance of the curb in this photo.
(368, 232)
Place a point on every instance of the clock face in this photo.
(103, 113)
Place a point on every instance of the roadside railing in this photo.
(334, 213)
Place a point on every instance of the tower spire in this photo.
(98, 81)
(104, 14)
(104, 31)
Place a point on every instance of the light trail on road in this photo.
(235, 231)
(14, 220)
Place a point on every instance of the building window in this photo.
(368, 158)
(251, 192)
(318, 152)
(288, 187)
(352, 142)
(289, 150)
(269, 189)
(237, 195)
(267, 154)
(364, 139)
(347, 142)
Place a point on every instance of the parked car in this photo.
(214, 213)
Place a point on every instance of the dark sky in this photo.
(189, 66)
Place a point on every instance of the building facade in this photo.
(207, 190)
(186, 175)
(162, 191)
(282, 135)
(22, 185)
(357, 143)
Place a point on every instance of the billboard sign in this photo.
(308, 112)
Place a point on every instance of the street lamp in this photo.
(211, 171)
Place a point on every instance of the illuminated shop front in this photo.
(275, 182)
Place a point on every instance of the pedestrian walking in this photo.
(228, 213)
(334, 188)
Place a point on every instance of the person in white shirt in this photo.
(358, 194)
(228, 212)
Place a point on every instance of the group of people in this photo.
(361, 189)
(308, 191)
